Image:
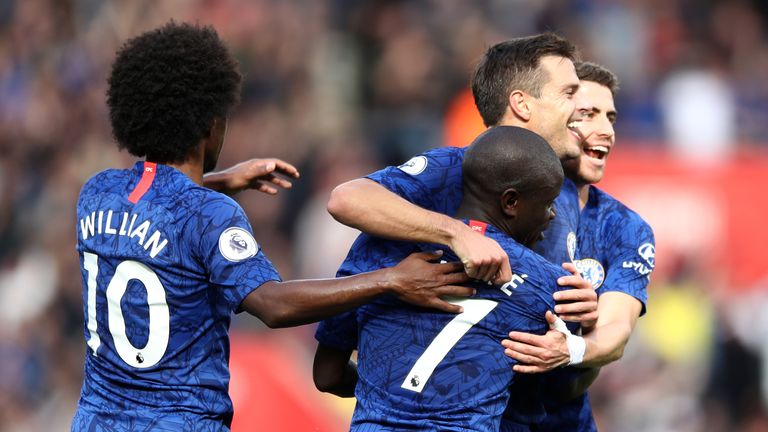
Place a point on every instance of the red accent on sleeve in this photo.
(478, 226)
(150, 168)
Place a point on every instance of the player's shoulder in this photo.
(446, 151)
(567, 203)
(526, 261)
(369, 253)
(209, 204)
(437, 157)
(103, 185)
(615, 214)
(103, 181)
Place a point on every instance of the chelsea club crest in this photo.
(589, 268)
(592, 271)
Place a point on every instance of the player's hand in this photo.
(536, 353)
(578, 304)
(421, 282)
(482, 257)
(263, 175)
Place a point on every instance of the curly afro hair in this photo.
(166, 87)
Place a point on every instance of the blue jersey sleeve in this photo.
(630, 258)
(431, 180)
(231, 256)
(339, 332)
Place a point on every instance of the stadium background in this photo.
(340, 88)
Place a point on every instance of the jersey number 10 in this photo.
(159, 317)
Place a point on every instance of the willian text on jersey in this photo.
(164, 264)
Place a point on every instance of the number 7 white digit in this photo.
(474, 311)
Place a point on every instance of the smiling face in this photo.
(596, 128)
(556, 108)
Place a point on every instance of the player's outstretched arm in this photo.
(415, 280)
(366, 205)
(264, 175)
(334, 372)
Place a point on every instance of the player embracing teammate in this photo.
(533, 83)
(166, 260)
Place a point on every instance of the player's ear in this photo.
(215, 137)
(520, 104)
(213, 143)
(218, 128)
(510, 202)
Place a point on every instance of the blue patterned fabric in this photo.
(621, 241)
(611, 245)
(432, 180)
(470, 385)
(161, 278)
(554, 247)
(616, 251)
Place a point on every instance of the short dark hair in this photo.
(166, 87)
(506, 157)
(588, 71)
(513, 65)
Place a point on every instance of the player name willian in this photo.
(123, 224)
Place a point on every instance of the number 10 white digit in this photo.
(159, 315)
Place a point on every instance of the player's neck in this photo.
(193, 172)
(193, 165)
(583, 190)
(471, 210)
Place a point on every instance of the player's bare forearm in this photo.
(415, 280)
(334, 372)
(366, 205)
(605, 344)
(618, 313)
(264, 175)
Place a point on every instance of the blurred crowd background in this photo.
(340, 88)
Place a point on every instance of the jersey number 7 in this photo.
(159, 316)
(474, 311)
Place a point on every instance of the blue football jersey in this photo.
(558, 245)
(421, 369)
(616, 253)
(433, 180)
(616, 247)
(164, 263)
